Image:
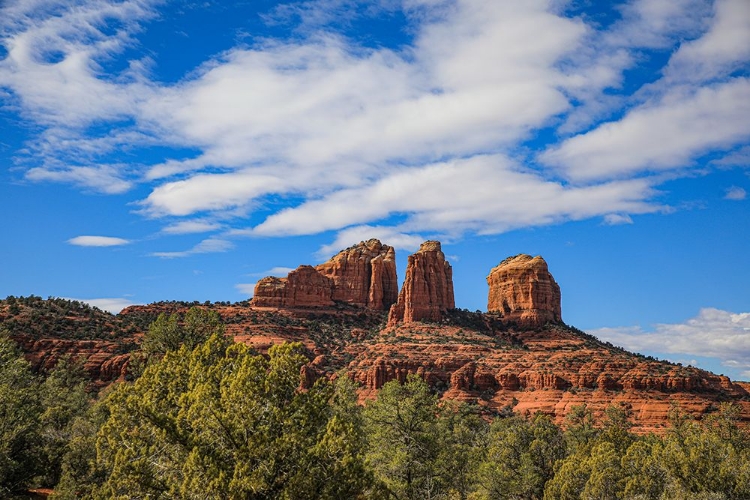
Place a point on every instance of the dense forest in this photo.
(207, 418)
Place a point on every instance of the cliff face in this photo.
(524, 291)
(363, 275)
(428, 287)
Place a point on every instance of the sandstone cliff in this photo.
(363, 275)
(428, 287)
(523, 290)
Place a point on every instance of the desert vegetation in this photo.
(208, 418)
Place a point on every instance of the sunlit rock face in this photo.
(523, 290)
(363, 275)
(428, 287)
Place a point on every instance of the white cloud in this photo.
(246, 288)
(617, 219)
(738, 158)
(97, 241)
(663, 135)
(658, 23)
(100, 178)
(713, 333)
(333, 113)
(279, 271)
(388, 235)
(724, 48)
(209, 245)
(735, 193)
(210, 192)
(354, 135)
(487, 194)
(191, 227)
(113, 305)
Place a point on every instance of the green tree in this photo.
(708, 459)
(64, 398)
(80, 473)
(170, 332)
(594, 470)
(644, 475)
(20, 410)
(521, 457)
(580, 429)
(402, 439)
(223, 422)
(462, 437)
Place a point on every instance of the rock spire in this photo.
(428, 287)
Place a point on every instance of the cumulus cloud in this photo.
(713, 333)
(97, 241)
(209, 245)
(735, 193)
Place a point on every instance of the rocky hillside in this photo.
(519, 354)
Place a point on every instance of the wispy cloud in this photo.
(713, 333)
(97, 241)
(617, 219)
(274, 271)
(666, 134)
(191, 227)
(484, 194)
(353, 235)
(210, 245)
(246, 288)
(348, 132)
(113, 305)
(735, 193)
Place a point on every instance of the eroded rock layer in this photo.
(363, 275)
(524, 291)
(428, 287)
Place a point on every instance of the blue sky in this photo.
(156, 150)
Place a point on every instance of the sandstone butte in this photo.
(363, 275)
(519, 354)
(523, 290)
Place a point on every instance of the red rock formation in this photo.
(101, 359)
(270, 292)
(363, 275)
(306, 287)
(523, 290)
(428, 287)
